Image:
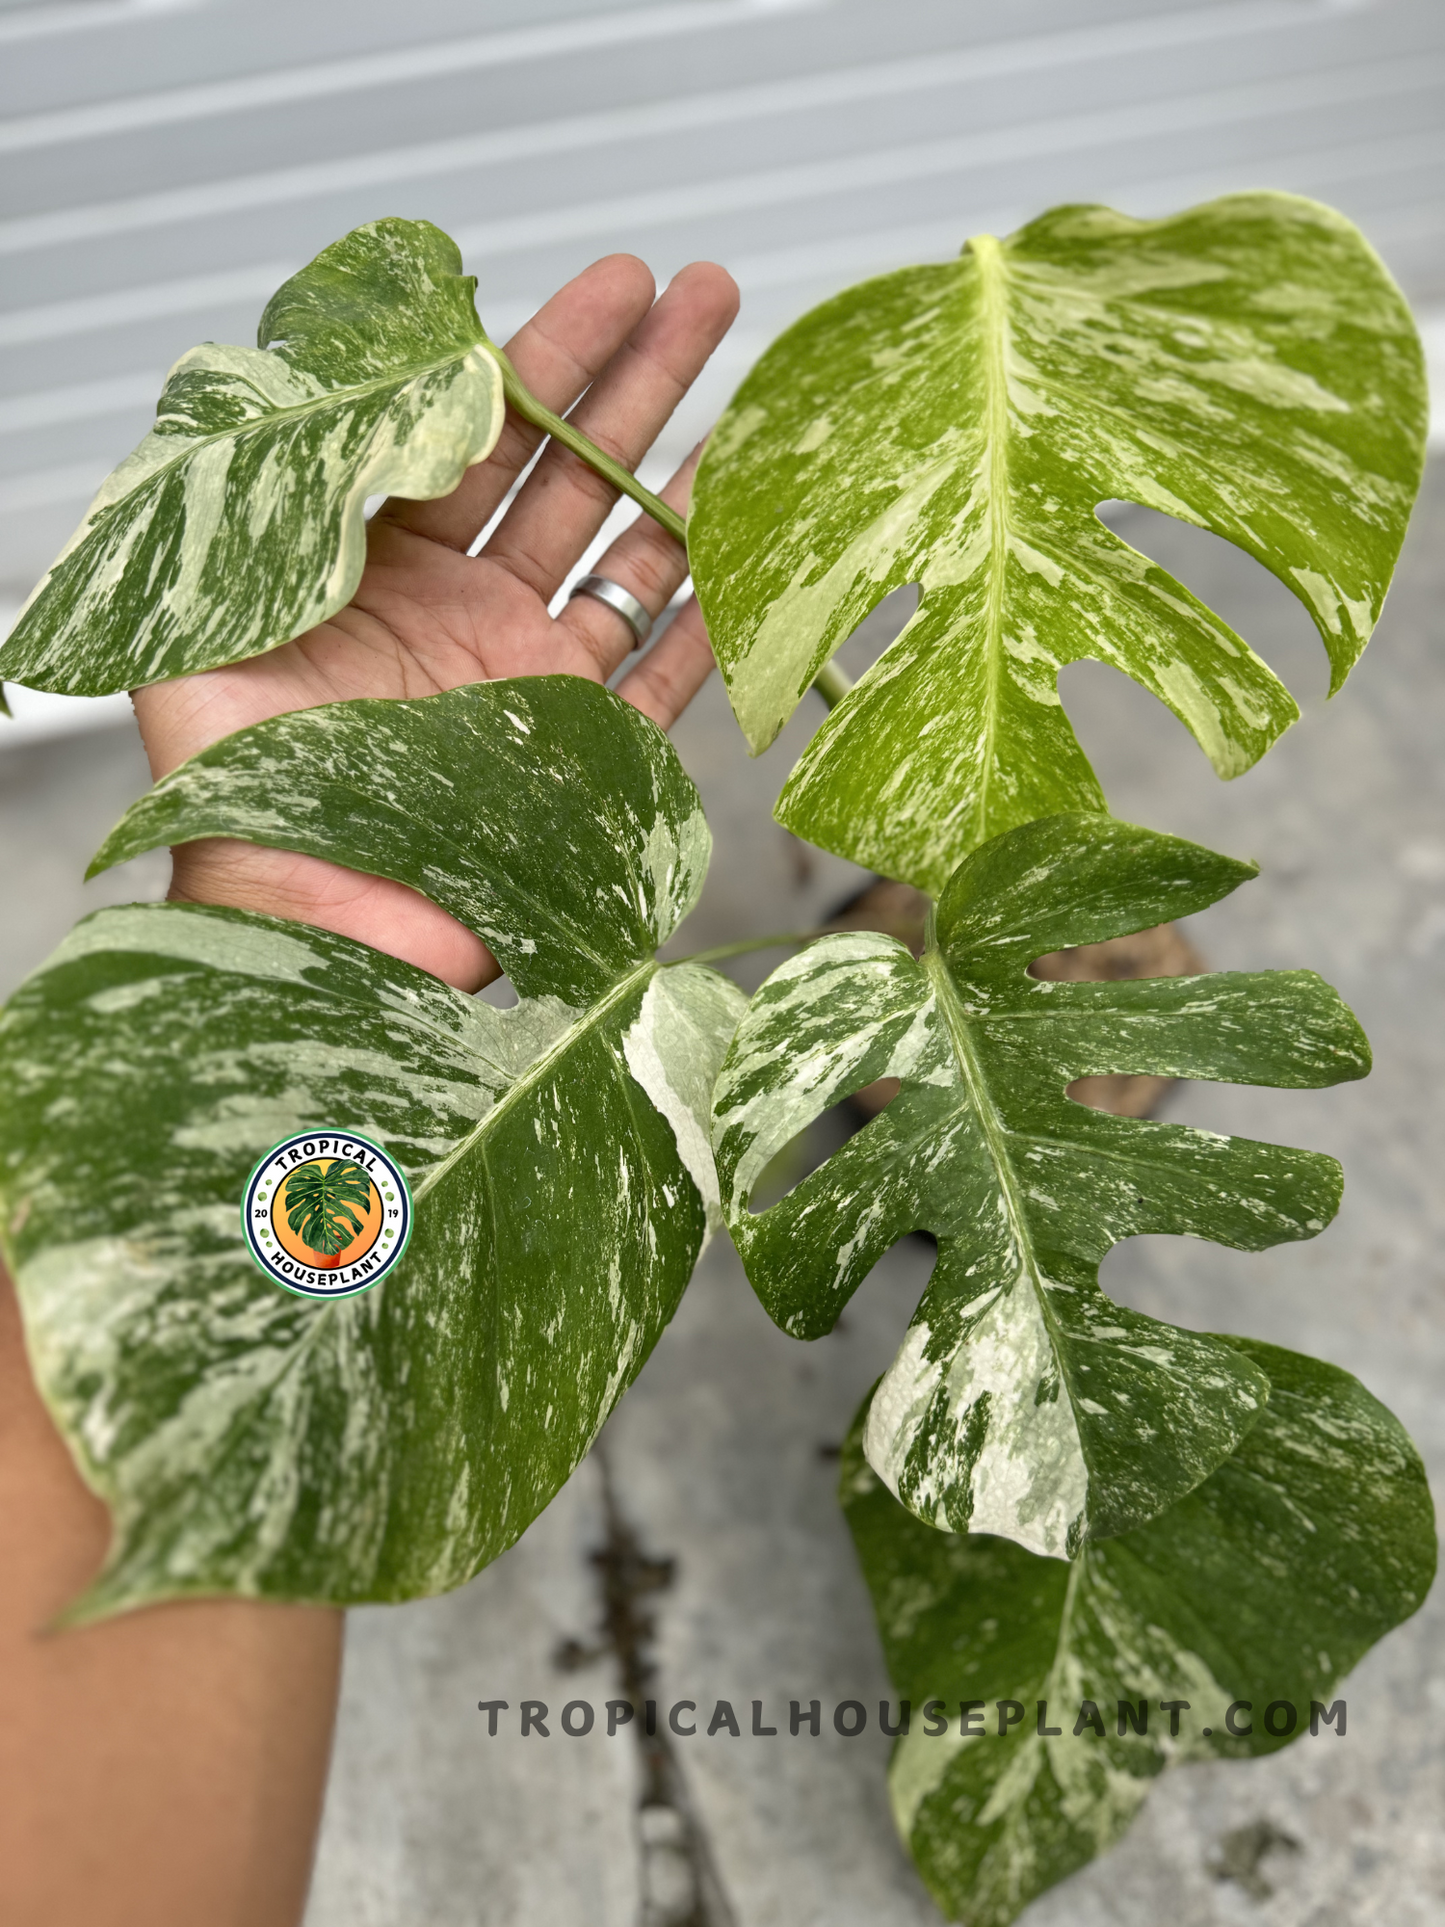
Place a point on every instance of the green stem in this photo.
(791, 938)
(831, 683)
(528, 406)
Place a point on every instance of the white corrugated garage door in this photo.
(166, 164)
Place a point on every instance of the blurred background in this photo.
(166, 164)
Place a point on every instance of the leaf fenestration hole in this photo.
(818, 1141)
(1255, 603)
(881, 626)
(1139, 750)
(1163, 951)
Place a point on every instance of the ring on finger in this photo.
(603, 589)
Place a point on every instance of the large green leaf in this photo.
(1265, 1585)
(1024, 1401)
(1248, 366)
(249, 1440)
(238, 522)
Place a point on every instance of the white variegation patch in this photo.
(1026, 1478)
(920, 1763)
(674, 860)
(684, 1026)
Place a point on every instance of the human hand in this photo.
(427, 616)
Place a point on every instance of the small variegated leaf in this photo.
(385, 1445)
(1024, 1401)
(1248, 366)
(1265, 1586)
(238, 522)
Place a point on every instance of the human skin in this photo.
(167, 1767)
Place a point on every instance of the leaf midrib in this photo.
(988, 253)
(1066, 1624)
(537, 1071)
(400, 379)
(995, 1132)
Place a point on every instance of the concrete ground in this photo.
(703, 1539)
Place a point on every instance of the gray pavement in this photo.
(717, 1461)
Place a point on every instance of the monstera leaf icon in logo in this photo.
(321, 1205)
(327, 1214)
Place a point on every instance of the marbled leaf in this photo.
(387, 1445)
(238, 522)
(1266, 1586)
(1023, 1401)
(1248, 366)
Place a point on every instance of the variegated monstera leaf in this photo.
(1248, 366)
(239, 521)
(1025, 1402)
(1233, 1619)
(385, 1445)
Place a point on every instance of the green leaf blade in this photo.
(1023, 1402)
(238, 522)
(538, 1277)
(1247, 365)
(385, 1445)
(370, 301)
(1266, 1584)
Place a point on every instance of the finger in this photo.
(647, 562)
(563, 503)
(378, 911)
(669, 676)
(557, 354)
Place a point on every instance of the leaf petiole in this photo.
(528, 406)
(789, 938)
(831, 683)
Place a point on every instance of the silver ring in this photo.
(602, 589)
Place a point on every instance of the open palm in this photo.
(429, 616)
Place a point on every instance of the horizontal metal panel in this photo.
(1127, 59)
(164, 170)
(198, 60)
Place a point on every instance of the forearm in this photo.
(165, 1767)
